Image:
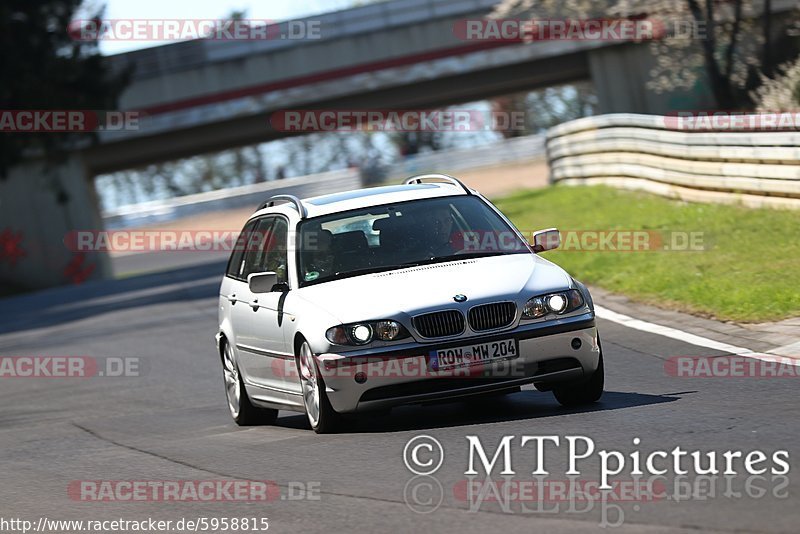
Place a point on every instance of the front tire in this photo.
(584, 392)
(321, 415)
(242, 410)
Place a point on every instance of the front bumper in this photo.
(395, 376)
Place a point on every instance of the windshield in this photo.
(381, 238)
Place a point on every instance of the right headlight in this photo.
(558, 303)
(364, 333)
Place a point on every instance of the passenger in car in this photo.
(350, 251)
(318, 255)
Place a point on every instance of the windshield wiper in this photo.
(359, 272)
(453, 257)
(425, 261)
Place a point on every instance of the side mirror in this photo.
(546, 240)
(262, 282)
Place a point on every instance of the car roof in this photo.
(364, 198)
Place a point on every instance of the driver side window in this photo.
(269, 249)
(254, 257)
(275, 250)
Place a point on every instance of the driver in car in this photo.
(439, 226)
(318, 256)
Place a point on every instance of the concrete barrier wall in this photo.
(666, 156)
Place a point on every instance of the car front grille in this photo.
(439, 324)
(492, 316)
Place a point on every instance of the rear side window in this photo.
(235, 265)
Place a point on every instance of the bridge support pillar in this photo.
(39, 206)
(620, 75)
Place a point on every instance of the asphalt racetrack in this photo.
(172, 424)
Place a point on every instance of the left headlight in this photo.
(558, 303)
(364, 333)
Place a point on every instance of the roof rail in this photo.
(298, 205)
(443, 177)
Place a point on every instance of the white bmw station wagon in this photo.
(395, 295)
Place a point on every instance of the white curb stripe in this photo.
(792, 351)
(686, 337)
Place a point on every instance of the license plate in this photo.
(474, 354)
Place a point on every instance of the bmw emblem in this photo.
(460, 298)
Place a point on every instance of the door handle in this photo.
(254, 304)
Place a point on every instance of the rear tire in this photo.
(321, 415)
(242, 410)
(585, 391)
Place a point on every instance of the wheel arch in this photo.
(298, 340)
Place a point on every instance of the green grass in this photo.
(748, 270)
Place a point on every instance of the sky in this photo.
(276, 10)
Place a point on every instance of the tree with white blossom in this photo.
(731, 44)
(781, 93)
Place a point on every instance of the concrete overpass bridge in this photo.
(207, 95)
(202, 96)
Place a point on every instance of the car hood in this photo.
(393, 294)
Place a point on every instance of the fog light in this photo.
(576, 343)
(360, 377)
(557, 303)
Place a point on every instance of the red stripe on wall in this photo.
(321, 77)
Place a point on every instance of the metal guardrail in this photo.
(513, 150)
(246, 196)
(660, 155)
